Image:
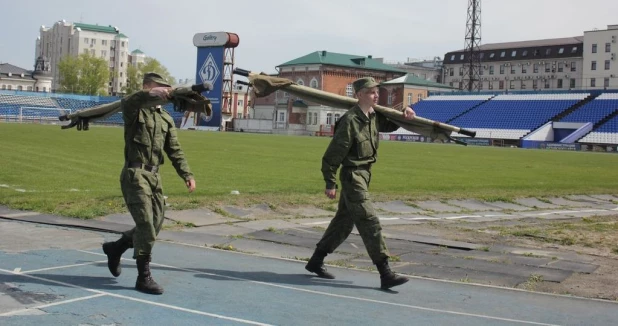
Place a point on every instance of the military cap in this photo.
(154, 77)
(365, 82)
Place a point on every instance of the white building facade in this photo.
(106, 42)
(600, 61)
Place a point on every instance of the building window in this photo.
(502, 54)
(594, 48)
(349, 90)
(546, 83)
(86, 51)
(337, 116)
(537, 52)
(315, 118)
(329, 118)
(535, 68)
(20, 88)
(491, 70)
(502, 69)
(524, 69)
(606, 64)
(44, 89)
(314, 83)
(593, 82)
(122, 44)
(491, 56)
(103, 53)
(461, 57)
(512, 84)
(593, 65)
(281, 116)
(514, 53)
(29, 88)
(92, 52)
(573, 66)
(606, 82)
(3, 87)
(240, 103)
(93, 41)
(419, 97)
(389, 100)
(560, 67)
(547, 68)
(10, 87)
(559, 83)
(561, 51)
(501, 84)
(239, 115)
(409, 98)
(525, 53)
(572, 83)
(86, 40)
(490, 85)
(574, 49)
(451, 71)
(535, 84)
(512, 69)
(300, 82)
(460, 71)
(453, 57)
(103, 42)
(522, 85)
(608, 47)
(548, 52)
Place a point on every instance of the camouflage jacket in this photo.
(355, 142)
(148, 132)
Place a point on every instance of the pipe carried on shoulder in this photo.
(264, 85)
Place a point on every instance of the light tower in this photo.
(472, 68)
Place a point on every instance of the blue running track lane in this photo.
(212, 287)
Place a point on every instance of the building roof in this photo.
(6, 68)
(340, 59)
(569, 47)
(96, 28)
(120, 35)
(410, 79)
(531, 43)
(137, 51)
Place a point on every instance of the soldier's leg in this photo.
(158, 207)
(115, 249)
(369, 228)
(338, 230)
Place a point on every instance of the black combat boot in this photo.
(144, 282)
(114, 251)
(388, 279)
(316, 265)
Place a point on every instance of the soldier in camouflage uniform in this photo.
(354, 146)
(149, 131)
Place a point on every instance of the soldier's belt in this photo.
(149, 168)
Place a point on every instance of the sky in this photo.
(272, 32)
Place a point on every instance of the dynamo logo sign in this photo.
(209, 71)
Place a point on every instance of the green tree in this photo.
(135, 74)
(83, 74)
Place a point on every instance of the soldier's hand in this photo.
(162, 92)
(409, 113)
(331, 193)
(191, 185)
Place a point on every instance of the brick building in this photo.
(327, 71)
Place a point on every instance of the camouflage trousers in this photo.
(355, 209)
(143, 194)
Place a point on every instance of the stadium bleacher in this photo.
(445, 108)
(606, 133)
(595, 110)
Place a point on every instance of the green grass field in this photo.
(76, 173)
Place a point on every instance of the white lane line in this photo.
(21, 214)
(342, 296)
(17, 270)
(460, 217)
(24, 311)
(317, 223)
(64, 266)
(197, 312)
(353, 245)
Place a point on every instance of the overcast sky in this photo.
(274, 31)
